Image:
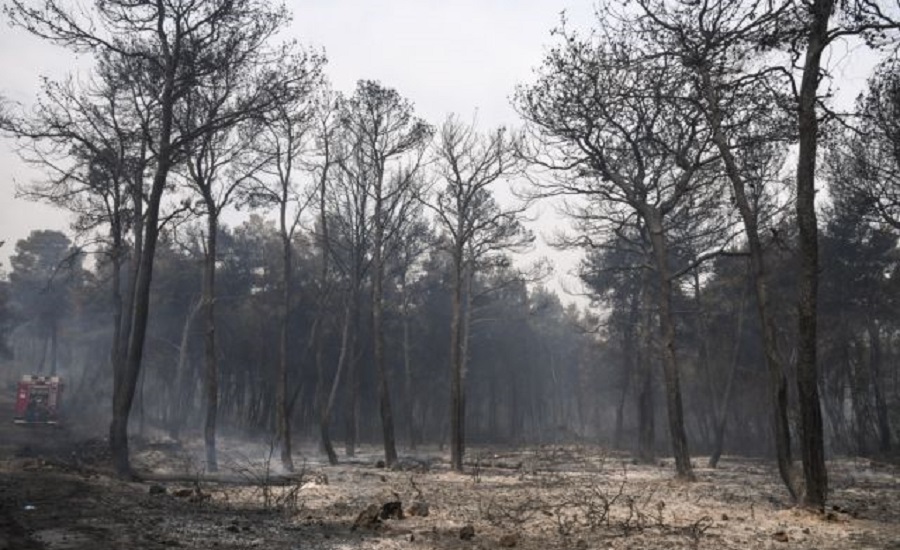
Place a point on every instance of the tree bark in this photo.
(881, 410)
(722, 412)
(457, 407)
(857, 371)
(412, 405)
(325, 417)
(209, 342)
(645, 402)
(282, 414)
(674, 405)
(778, 392)
(812, 440)
(185, 379)
(353, 378)
(123, 392)
(629, 365)
(384, 396)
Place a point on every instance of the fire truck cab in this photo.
(38, 400)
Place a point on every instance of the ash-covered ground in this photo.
(57, 492)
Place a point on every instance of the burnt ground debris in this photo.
(57, 492)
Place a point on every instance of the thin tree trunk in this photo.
(706, 412)
(645, 402)
(775, 365)
(412, 405)
(881, 410)
(353, 378)
(722, 412)
(123, 391)
(181, 396)
(384, 396)
(457, 409)
(812, 440)
(335, 384)
(283, 428)
(856, 369)
(629, 364)
(674, 406)
(209, 343)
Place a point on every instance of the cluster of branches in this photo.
(192, 109)
(668, 125)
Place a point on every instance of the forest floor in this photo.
(57, 492)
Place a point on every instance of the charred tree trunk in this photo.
(881, 410)
(412, 405)
(645, 402)
(325, 417)
(353, 378)
(722, 412)
(618, 434)
(123, 325)
(775, 365)
(709, 412)
(185, 378)
(629, 365)
(670, 362)
(123, 391)
(812, 440)
(209, 341)
(384, 395)
(457, 376)
(858, 382)
(283, 420)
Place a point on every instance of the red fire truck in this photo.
(38, 400)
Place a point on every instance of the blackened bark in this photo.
(674, 405)
(325, 417)
(857, 370)
(211, 377)
(412, 405)
(282, 414)
(881, 410)
(384, 395)
(185, 381)
(353, 378)
(457, 408)
(123, 392)
(722, 412)
(629, 366)
(812, 440)
(646, 407)
(778, 391)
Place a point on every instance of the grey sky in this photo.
(462, 56)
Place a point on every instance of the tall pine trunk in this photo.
(812, 439)
(209, 342)
(778, 391)
(881, 410)
(412, 405)
(674, 405)
(384, 395)
(325, 416)
(282, 414)
(124, 388)
(646, 407)
(457, 404)
(722, 411)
